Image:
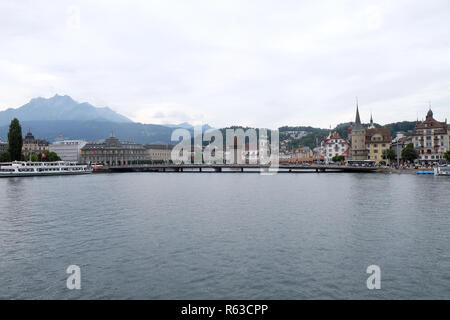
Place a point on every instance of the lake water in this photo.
(225, 236)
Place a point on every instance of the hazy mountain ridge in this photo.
(60, 108)
(48, 118)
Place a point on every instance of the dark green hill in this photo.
(94, 131)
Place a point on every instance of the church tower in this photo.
(358, 139)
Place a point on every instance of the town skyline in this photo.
(366, 115)
(427, 140)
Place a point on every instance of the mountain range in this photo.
(60, 108)
(62, 115)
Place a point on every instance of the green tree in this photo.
(5, 157)
(389, 154)
(45, 156)
(447, 155)
(409, 153)
(15, 140)
(338, 158)
(34, 157)
(52, 156)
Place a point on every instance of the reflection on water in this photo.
(241, 236)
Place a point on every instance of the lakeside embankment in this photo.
(399, 171)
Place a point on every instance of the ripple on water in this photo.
(224, 236)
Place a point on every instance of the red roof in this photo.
(431, 123)
(385, 133)
(335, 135)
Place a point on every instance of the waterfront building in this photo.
(32, 145)
(158, 152)
(305, 154)
(285, 157)
(301, 155)
(378, 140)
(399, 143)
(431, 139)
(448, 134)
(237, 152)
(112, 152)
(333, 145)
(357, 137)
(368, 143)
(68, 150)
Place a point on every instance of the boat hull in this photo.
(38, 174)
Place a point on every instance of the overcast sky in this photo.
(259, 63)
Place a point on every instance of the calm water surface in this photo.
(223, 236)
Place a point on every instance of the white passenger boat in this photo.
(438, 171)
(27, 169)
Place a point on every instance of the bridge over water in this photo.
(257, 168)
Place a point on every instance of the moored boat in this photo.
(425, 172)
(439, 172)
(28, 169)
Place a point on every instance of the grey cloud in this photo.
(264, 63)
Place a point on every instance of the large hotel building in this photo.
(431, 139)
(112, 152)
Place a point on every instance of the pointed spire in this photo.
(358, 119)
(371, 126)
